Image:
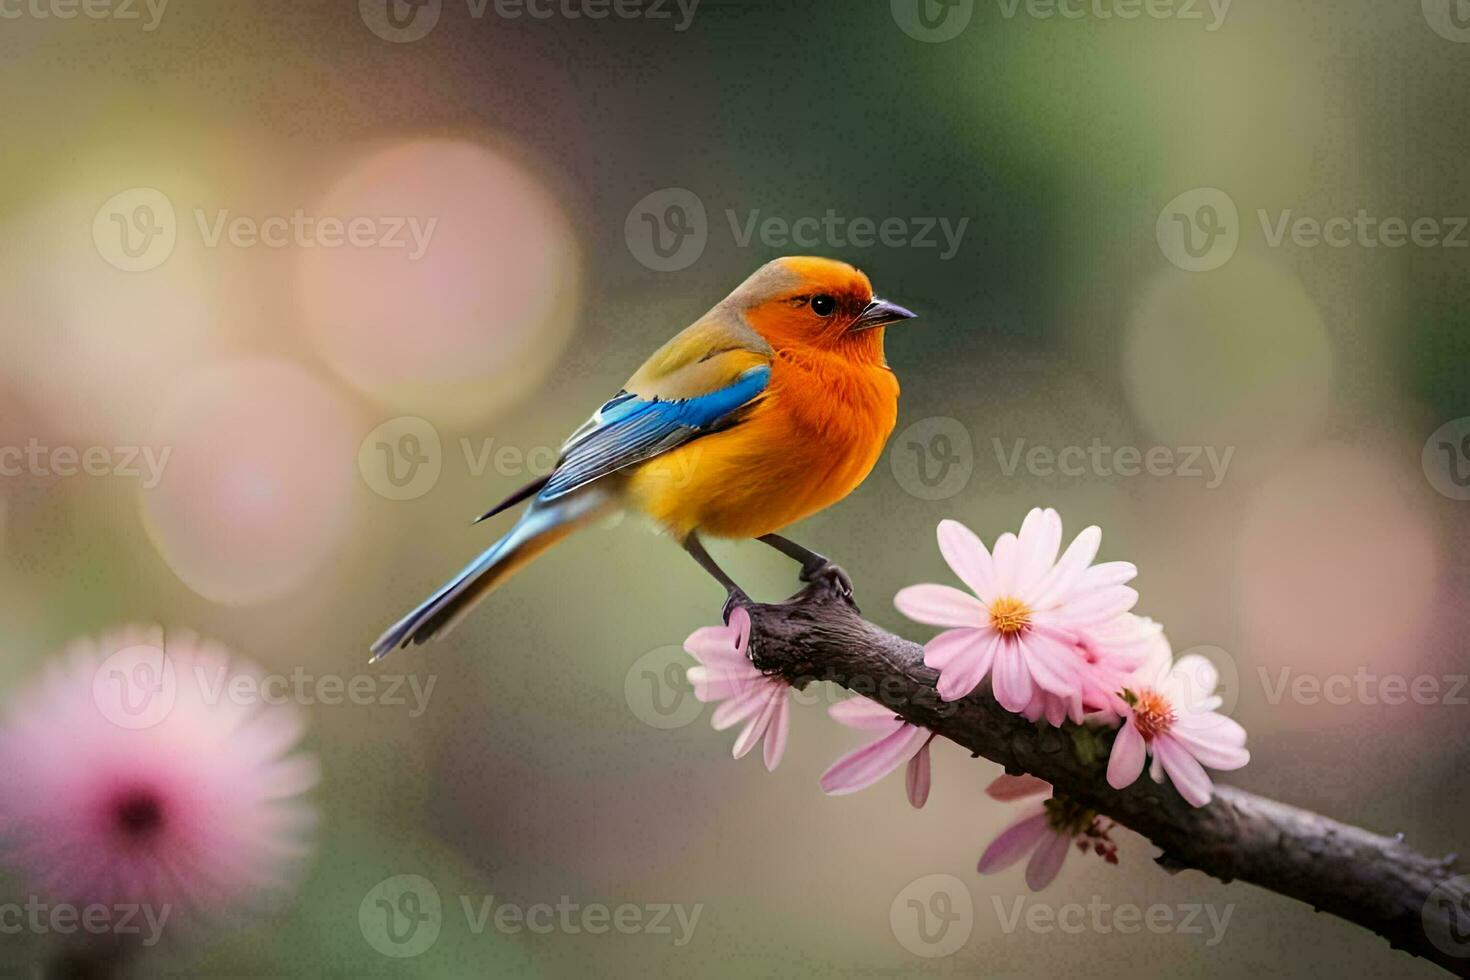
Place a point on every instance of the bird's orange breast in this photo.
(812, 438)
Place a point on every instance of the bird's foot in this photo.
(821, 571)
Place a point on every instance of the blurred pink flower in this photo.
(1028, 611)
(1169, 712)
(176, 795)
(1046, 832)
(896, 742)
(726, 674)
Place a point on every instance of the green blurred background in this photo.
(276, 375)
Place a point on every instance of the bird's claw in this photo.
(831, 575)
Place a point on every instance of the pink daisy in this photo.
(726, 674)
(1169, 713)
(175, 796)
(895, 742)
(1106, 656)
(1046, 832)
(1028, 610)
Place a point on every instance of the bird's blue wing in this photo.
(628, 429)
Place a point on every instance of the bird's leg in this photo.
(814, 567)
(734, 594)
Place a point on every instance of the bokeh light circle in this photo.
(257, 487)
(1234, 357)
(90, 338)
(1338, 570)
(469, 292)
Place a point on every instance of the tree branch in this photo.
(1378, 882)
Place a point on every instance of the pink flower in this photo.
(1029, 610)
(1106, 656)
(1046, 832)
(174, 794)
(896, 742)
(1169, 712)
(726, 674)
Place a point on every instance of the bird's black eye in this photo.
(823, 305)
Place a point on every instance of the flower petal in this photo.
(1059, 710)
(865, 766)
(1074, 561)
(1052, 667)
(1216, 755)
(1107, 573)
(1067, 638)
(1006, 558)
(1212, 726)
(963, 676)
(1040, 537)
(1126, 761)
(775, 746)
(1088, 608)
(740, 623)
(916, 779)
(954, 646)
(866, 714)
(941, 605)
(1191, 681)
(1125, 642)
(967, 557)
(748, 704)
(713, 643)
(719, 682)
(1011, 681)
(1013, 843)
(1157, 662)
(1036, 707)
(1009, 788)
(757, 727)
(1187, 775)
(1047, 861)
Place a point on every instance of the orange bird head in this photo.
(801, 301)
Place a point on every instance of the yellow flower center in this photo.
(1152, 714)
(1009, 616)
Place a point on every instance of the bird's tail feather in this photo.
(540, 527)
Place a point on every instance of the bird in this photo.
(774, 405)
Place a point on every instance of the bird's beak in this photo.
(879, 313)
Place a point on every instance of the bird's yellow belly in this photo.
(769, 471)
